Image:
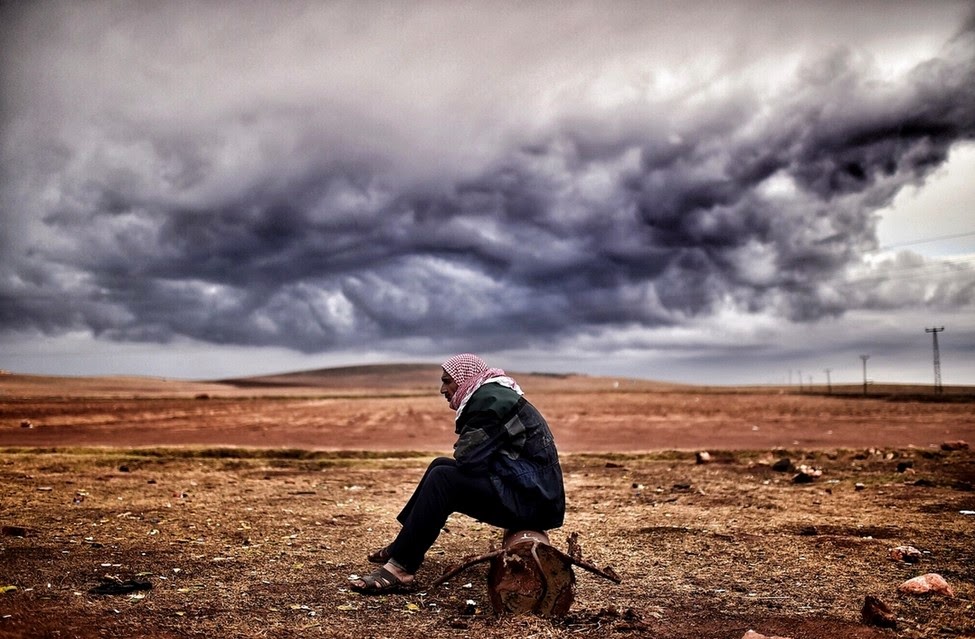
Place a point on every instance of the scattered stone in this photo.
(858, 486)
(703, 457)
(124, 469)
(925, 584)
(783, 465)
(751, 634)
(26, 423)
(14, 531)
(112, 585)
(628, 620)
(202, 396)
(957, 444)
(904, 465)
(806, 474)
(876, 613)
(910, 554)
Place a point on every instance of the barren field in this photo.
(242, 509)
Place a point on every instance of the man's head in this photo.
(458, 370)
(448, 385)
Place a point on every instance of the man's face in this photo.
(447, 386)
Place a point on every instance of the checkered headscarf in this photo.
(471, 372)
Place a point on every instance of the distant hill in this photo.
(425, 378)
(375, 379)
(399, 377)
(408, 379)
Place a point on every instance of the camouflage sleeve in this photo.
(481, 436)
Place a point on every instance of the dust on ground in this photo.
(262, 545)
(247, 510)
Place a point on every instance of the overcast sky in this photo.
(714, 192)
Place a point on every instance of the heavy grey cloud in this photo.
(332, 177)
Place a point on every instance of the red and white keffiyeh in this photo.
(471, 372)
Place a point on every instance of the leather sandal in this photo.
(380, 556)
(382, 582)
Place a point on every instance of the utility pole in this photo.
(800, 381)
(937, 358)
(864, 358)
(829, 384)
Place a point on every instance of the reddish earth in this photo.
(246, 506)
(397, 408)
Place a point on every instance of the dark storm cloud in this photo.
(645, 215)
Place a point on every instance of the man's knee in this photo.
(439, 462)
(442, 474)
(442, 461)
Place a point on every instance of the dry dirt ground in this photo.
(246, 513)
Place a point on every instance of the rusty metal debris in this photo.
(529, 575)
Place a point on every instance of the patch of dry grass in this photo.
(262, 543)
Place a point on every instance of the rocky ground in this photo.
(253, 543)
(154, 508)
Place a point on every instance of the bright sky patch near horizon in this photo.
(739, 192)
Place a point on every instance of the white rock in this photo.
(910, 554)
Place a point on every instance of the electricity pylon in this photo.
(864, 358)
(937, 358)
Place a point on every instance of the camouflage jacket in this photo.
(501, 435)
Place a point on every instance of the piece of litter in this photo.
(967, 512)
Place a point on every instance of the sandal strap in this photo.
(382, 580)
(380, 556)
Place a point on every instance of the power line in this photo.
(917, 271)
(937, 238)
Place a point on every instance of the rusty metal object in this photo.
(529, 575)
